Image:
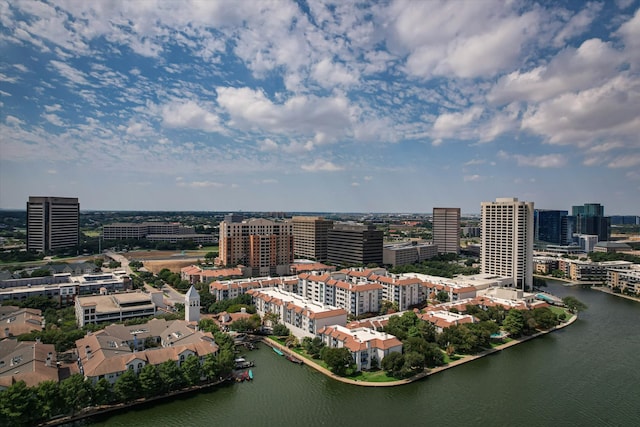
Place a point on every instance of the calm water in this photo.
(586, 374)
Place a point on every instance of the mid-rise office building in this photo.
(446, 230)
(548, 226)
(263, 245)
(52, 223)
(310, 234)
(354, 244)
(507, 240)
(590, 219)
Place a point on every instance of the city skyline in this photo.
(307, 107)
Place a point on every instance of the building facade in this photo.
(52, 223)
(310, 234)
(590, 219)
(354, 244)
(408, 253)
(547, 226)
(263, 245)
(446, 230)
(507, 240)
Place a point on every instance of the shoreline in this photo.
(606, 290)
(427, 372)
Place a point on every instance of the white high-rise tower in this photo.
(507, 240)
(192, 305)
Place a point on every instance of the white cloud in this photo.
(329, 74)
(53, 119)
(267, 145)
(472, 178)
(52, 108)
(13, 121)
(200, 184)
(250, 109)
(449, 124)
(70, 73)
(320, 165)
(188, 114)
(625, 161)
(578, 23)
(542, 161)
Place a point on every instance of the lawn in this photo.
(559, 310)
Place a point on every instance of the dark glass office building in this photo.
(351, 244)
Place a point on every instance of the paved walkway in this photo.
(421, 375)
(610, 292)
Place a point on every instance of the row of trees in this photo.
(445, 265)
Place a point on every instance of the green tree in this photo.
(442, 296)
(413, 362)
(103, 393)
(170, 376)
(338, 360)
(514, 323)
(76, 392)
(573, 304)
(127, 386)
(208, 325)
(51, 402)
(545, 318)
(433, 355)
(210, 367)
(393, 364)
(191, 370)
(19, 405)
(280, 330)
(150, 383)
(313, 346)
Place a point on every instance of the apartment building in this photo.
(446, 230)
(367, 346)
(626, 281)
(53, 223)
(507, 240)
(354, 244)
(264, 245)
(303, 317)
(310, 235)
(111, 352)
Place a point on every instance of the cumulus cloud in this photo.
(189, 114)
(320, 165)
(199, 184)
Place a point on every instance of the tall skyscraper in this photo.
(354, 244)
(52, 223)
(310, 234)
(590, 219)
(446, 230)
(264, 245)
(507, 240)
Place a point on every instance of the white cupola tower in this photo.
(192, 305)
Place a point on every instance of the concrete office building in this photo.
(263, 245)
(354, 244)
(52, 223)
(507, 240)
(446, 230)
(310, 235)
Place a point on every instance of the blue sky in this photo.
(394, 106)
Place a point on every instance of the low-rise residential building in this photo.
(17, 321)
(116, 307)
(443, 319)
(303, 317)
(406, 292)
(625, 281)
(229, 289)
(367, 346)
(196, 274)
(589, 271)
(110, 353)
(28, 361)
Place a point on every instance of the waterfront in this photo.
(584, 374)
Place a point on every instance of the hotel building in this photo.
(507, 240)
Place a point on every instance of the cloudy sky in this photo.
(394, 106)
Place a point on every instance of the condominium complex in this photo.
(263, 245)
(507, 240)
(52, 223)
(354, 244)
(310, 234)
(446, 230)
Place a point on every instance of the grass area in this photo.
(448, 359)
(559, 310)
(379, 376)
(91, 233)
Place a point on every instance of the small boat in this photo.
(293, 359)
(250, 375)
(278, 352)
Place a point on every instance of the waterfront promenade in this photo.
(427, 372)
